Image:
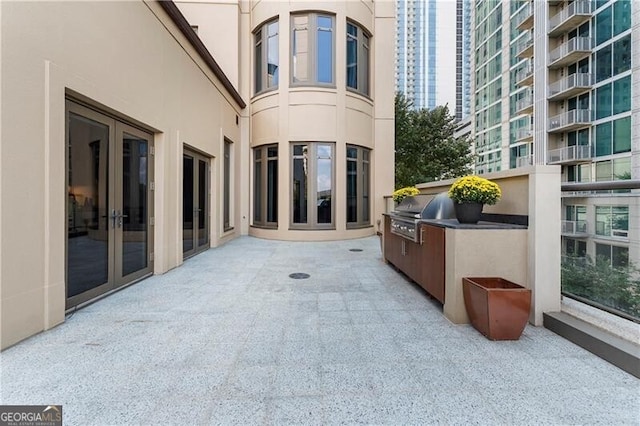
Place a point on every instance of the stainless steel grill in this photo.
(406, 217)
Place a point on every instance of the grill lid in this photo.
(412, 206)
(424, 206)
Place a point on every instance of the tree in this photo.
(615, 287)
(426, 149)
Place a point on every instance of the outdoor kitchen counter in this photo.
(447, 251)
(454, 224)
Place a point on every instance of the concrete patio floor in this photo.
(229, 338)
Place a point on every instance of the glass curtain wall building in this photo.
(432, 51)
(553, 83)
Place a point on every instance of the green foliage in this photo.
(617, 288)
(425, 147)
(402, 193)
(475, 189)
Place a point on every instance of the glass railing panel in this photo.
(600, 265)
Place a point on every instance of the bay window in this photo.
(265, 186)
(358, 186)
(312, 185)
(266, 57)
(357, 59)
(312, 49)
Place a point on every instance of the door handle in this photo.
(114, 217)
(120, 216)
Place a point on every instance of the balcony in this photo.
(569, 18)
(524, 46)
(524, 76)
(524, 18)
(569, 154)
(570, 120)
(572, 51)
(524, 161)
(525, 105)
(524, 134)
(569, 86)
(574, 228)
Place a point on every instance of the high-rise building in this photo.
(558, 82)
(432, 50)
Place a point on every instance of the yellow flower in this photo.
(474, 189)
(402, 193)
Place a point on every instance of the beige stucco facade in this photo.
(132, 62)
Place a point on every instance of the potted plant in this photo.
(402, 193)
(470, 194)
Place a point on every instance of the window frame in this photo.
(363, 59)
(312, 50)
(362, 183)
(261, 37)
(263, 191)
(311, 189)
(613, 232)
(227, 225)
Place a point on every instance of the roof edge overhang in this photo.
(183, 25)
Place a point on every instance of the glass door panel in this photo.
(88, 204)
(195, 204)
(187, 203)
(109, 204)
(202, 209)
(133, 221)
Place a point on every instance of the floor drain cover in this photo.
(355, 249)
(299, 276)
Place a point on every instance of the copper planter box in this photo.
(497, 308)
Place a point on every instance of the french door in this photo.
(109, 204)
(195, 203)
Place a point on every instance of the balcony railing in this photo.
(569, 86)
(570, 120)
(524, 134)
(524, 46)
(574, 227)
(570, 17)
(573, 50)
(605, 279)
(524, 161)
(524, 76)
(524, 18)
(525, 104)
(569, 154)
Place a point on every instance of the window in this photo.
(358, 186)
(622, 55)
(312, 185)
(622, 95)
(575, 248)
(616, 169)
(312, 49)
(603, 24)
(621, 16)
(612, 221)
(613, 137)
(265, 186)
(617, 256)
(266, 57)
(357, 59)
(226, 214)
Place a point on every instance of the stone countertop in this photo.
(454, 224)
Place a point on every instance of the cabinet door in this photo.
(392, 247)
(433, 246)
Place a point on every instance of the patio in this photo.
(229, 338)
